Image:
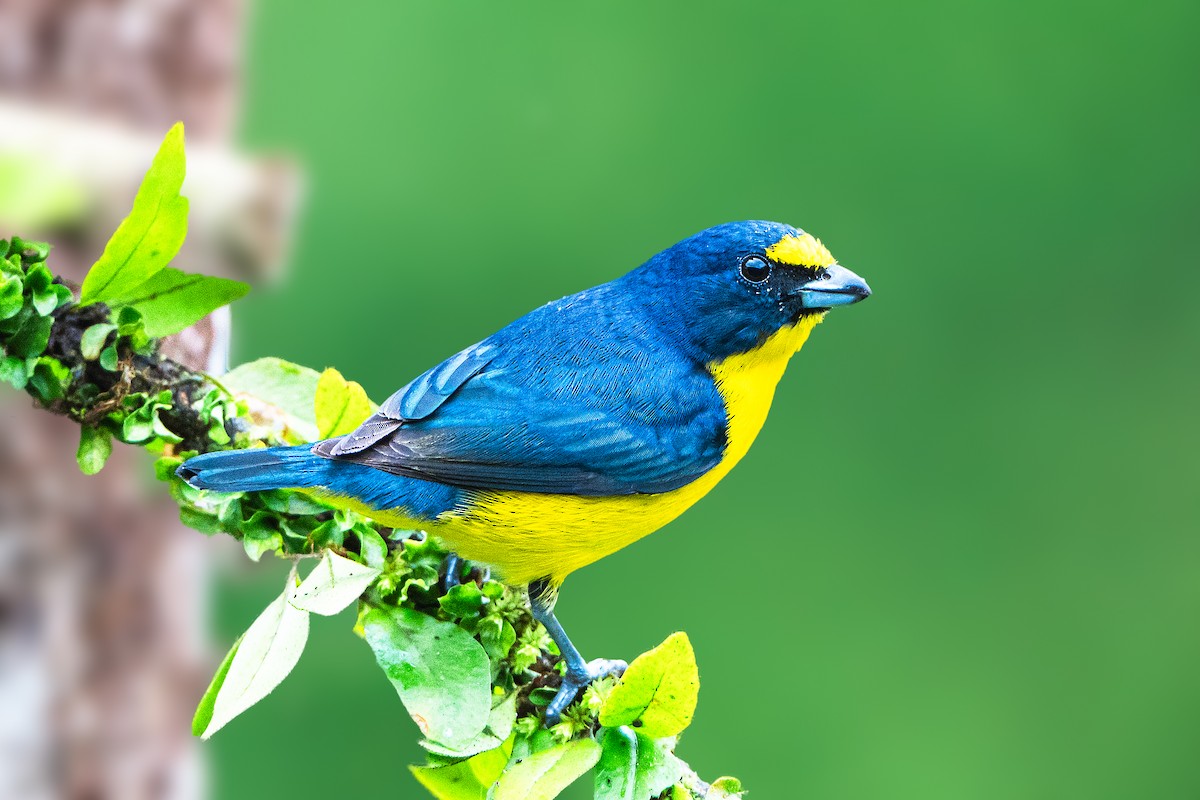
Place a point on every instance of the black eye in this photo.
(755, 269)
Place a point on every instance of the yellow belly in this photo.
(527, 536)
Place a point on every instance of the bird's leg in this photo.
(451, 569)
(452, 572)
(579, 673)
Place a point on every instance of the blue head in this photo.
(727, 289)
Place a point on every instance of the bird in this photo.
(584, 425)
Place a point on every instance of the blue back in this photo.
(604, 392)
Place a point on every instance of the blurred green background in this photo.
(962, 560)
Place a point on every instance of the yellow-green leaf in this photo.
(94, 338)
(12, 295)
(725, 788)
(453, 782)
(95, 446)
(657, 694)
(14, 372)
(544, 775)
(341, 405)
(172, 300)
(466, 780)
(489, 765)
(151, 235)
(204, 710)
(276, 388)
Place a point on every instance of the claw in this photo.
(603, 667)
(575, 682)
(579, 673)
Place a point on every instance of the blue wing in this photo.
(575, 398)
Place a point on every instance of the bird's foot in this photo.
(575, 682)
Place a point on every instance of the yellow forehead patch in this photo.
(800, 251)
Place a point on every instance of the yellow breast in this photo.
(527, 536)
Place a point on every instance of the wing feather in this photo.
(576, 398)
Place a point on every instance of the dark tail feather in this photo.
(255, 470)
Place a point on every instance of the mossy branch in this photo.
(477, 695)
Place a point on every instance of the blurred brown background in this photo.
(103, 596)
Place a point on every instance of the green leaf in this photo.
(292, 503)
(657, 694)
(724, 788)
(137, 427)
(497, 637)
(146, 240)
(616, 773)
(92, 342)
(633, 767)
(503, 716)
(50, 379)
(463, 600)
(31, 340)
(334, 583)
(131, 325)
(47, 299)
(13, 372)
(489, 765)
(260, 535)
(269, 650)
(372, 547)
(327, 534)
(198, 520)
(164, 468)
(144, 423)
(12, 296)
(109, 358)
(440, 672)
(173, 300)
(95, 446)
(45, 302)
(499, 727)
(33, 252)
(466, 780)
(204, 711)
(17, 321)
(162, 431)
(657, 767)
(340, 405)
(453, 782)
(129, 321)
(544, 775)
(38, 279)
(279, 388)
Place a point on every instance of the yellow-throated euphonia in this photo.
(584, 425)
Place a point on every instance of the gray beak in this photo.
(840, 287)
